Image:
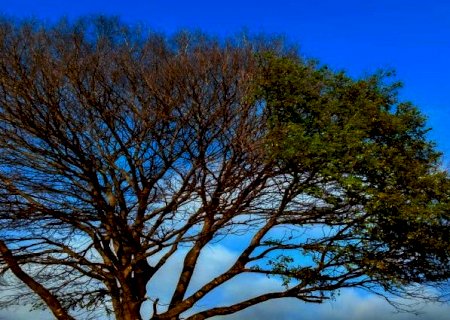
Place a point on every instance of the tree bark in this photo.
(50, 300)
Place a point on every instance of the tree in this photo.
(121, 149)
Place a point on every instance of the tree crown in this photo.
(120, 149)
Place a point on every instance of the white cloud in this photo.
(349, 305)
(213, 261)
(23, 313)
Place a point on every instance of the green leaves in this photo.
(366, 151)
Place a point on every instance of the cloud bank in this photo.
(349, 305)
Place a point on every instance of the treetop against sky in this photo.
(359, 36)
(376, 166)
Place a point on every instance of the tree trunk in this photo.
(133, 292)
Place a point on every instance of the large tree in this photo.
(120, 150)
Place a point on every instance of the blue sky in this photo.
(412, 37)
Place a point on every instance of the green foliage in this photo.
(122, 150)
(363, 148)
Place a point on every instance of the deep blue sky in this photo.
(360, 36)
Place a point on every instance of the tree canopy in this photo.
(120, 149)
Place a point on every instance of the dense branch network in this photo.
(118, 150)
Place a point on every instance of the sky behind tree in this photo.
(411, 37)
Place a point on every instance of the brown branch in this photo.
(51, 301)
(219, 311)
